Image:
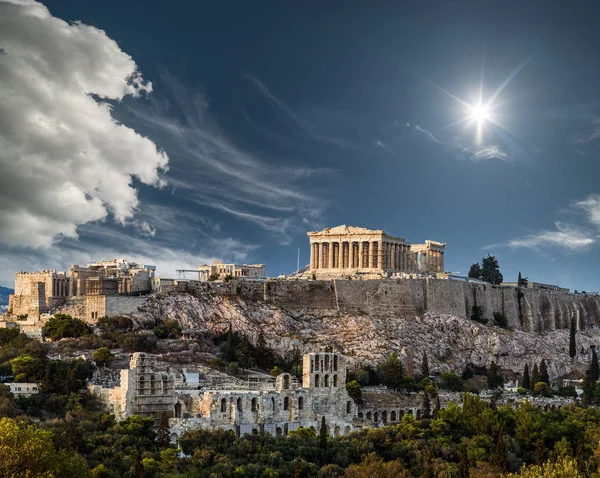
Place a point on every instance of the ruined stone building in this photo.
(149, 388)
(38, 292)
(219, 271)
(348, 250)
(98, 288)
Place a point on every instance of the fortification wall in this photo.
(531, 310)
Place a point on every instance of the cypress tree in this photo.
(230, 352)
(436, 410)
(426, 405)
(594, 367)
(323, 434)
(535, 376)
(544, 376)
(572, 345)
(425, 366)
(526, 380)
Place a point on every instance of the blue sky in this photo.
(264, 122)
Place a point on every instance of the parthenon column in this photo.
(330, 254)
(341, 255)
(320, 255)
(360, 254)
(380, 252)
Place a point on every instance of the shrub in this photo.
(452, 382)
(61, 326)
(118, 323)
(522, 391)
(167, 329)
(501, 320)
(477, 314)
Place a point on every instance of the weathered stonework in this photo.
(151, 389)
(38, 292)
(347, 250)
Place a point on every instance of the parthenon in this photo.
(347, 250)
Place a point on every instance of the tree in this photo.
(102, 356)
(163, 431)
(426, 405)
(452, 382)
(26, 451)
(391, 372)
(535, 375)
(355, 392)
(475, 271)
(594, 367)
(275, 371)
(563, 468)
(544, 376)
(490, 270)
(61, 326)
(230, 352)
(522, 282)
(572, 344)
(425, 366)
(526, 380)
(323, 434)
(494, 379)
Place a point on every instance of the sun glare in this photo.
(480, 113)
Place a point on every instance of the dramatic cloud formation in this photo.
(64, 160)
(210, 170)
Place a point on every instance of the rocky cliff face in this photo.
(367, 320)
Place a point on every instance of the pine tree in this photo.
(535, 376)
(544, 377)
(572, 345)
(526, 380)
(323, 434)
(426, 405)
(436, 410)
(425, 366)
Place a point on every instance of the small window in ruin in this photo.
(300, 403)
(317, 362)
(335, 363)
(326, 362)
(273, 403)
(393, 416)
(369, 416)
(335, 381)
(384, 416)
(254, 405)
(326, 384)
(286, 382)
(142, 385)
(286, 403)
(317, 381)
(223, 405)
(349, 406)
(239, 404)
(376, 417)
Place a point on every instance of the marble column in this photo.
(330, 254)
(380, 252)
(361, 251)
(341, 255)
(320, 255)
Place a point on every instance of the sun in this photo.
(480, 113)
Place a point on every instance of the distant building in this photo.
(219, 271)
(537, 285)
(23, 389)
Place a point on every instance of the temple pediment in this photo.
(343, 229)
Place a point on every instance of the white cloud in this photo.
(566, 236)
(64, 160)
(591, 207)
(490, 152)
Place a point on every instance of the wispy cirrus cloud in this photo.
(471, 150)
(290, 115)
(207, 168)
(579, 232)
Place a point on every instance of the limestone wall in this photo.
(97, 306)
(531, 310)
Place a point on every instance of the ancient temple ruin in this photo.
(348, 250)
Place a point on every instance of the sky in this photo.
(178, 133)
